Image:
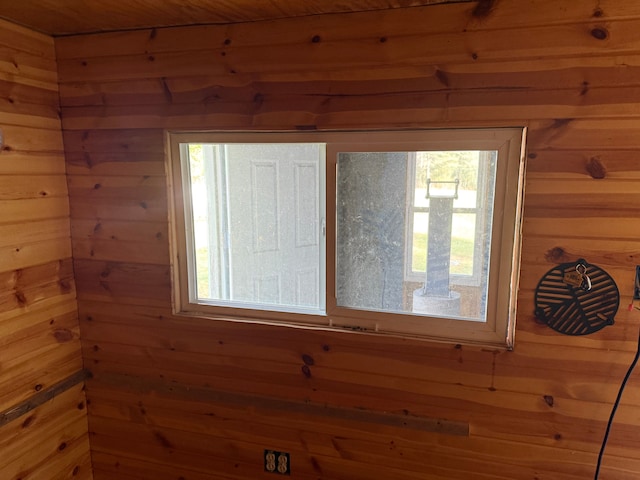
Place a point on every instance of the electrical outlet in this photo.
(277, 462)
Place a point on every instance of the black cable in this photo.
(615, 407)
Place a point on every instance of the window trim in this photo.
(497, 331)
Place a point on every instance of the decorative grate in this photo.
(576, 298)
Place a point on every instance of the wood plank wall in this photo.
(39, 332)
(187, 398)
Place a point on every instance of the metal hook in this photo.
(586, 281)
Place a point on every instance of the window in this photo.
(254, 224)
(468, 177)
(412, 233)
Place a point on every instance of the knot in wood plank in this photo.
(63, 335)
(483, 8)
(596, 168)
(600, 33)
(556, 255)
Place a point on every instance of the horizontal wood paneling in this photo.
(49, 442)
(566, 70)
(442, 19)
(60, 17)
(39, 331)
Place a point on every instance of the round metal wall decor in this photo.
(576, 298)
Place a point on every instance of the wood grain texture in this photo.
(17, 411)
(60, 18)
(39, 331)
(49, 442)
(566, 70)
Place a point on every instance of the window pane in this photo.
(463, 237)
(441, 216)
(257, 212)
(419, 242)
(462, 243)
(370, 222)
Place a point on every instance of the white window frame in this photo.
(499, 328)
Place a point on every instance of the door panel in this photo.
(274, 222)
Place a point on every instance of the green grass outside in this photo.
(461, 254)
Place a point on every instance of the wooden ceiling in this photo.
(69, 17)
